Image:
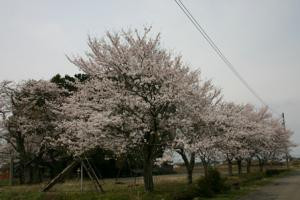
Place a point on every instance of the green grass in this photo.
(166, 188)
(4, 182)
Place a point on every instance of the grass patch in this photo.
(170, 187)
(4, 182)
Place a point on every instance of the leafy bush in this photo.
(190, 193)
(273, 172)
(231, 180)
(205, 189)
(212, 184)
(248, 178)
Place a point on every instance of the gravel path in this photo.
(287, 188)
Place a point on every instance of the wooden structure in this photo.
(86, 165)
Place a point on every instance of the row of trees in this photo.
(234, 133)
(136, 97)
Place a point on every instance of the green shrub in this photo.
(248, 178)
(190, 193)
(212, 184)
(205, 189)
(273, 172)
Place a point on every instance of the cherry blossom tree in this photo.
(266, 138)
(6, 88)
(230, 124)
(255, 118)
(133, 88)
(5, 107)
(249, 132)
(208, 151)
(275, 142)
(32, 120)
(193, 131)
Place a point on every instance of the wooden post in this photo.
(60, 176)
(11, 171)
(93, 178)
(81, 177)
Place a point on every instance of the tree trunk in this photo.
(30, 170)
(239, 164)
(21, 173)
(148, 176)
(261, 165)
(20, 148)
(287, 160)
(189, 165)
(40, 175)
(248, 166)
(148, 167)
(190, 176)
(229, 162)
(205, 167)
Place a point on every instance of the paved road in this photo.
(287, 188)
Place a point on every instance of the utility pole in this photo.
(283, 121)
(286, 151)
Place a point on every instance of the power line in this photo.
(219, 53)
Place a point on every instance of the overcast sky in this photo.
(260, 37)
